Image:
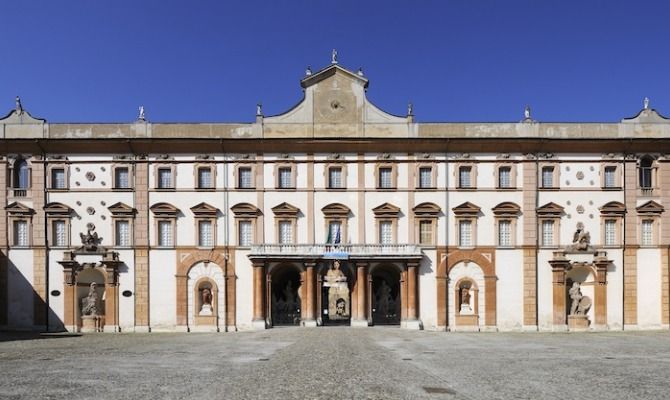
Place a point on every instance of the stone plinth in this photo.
(578, 323)
(467, 322)
(90, 323)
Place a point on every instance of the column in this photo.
(259, 295)
(412, 320)
(361, 319)
(307, 317)
(558, 267)
(600, 301)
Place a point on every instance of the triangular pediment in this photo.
(285, 209)
(613, 208)
(164, 209)
(386, 210)
(121, 209)
(55, 208)
(506, 208)
(204, 209)
(328, 72)
(650, 207)
(550, 209)
(17, 208)
(466, 208)
(336, 209)
(427, 210)
(245, 210)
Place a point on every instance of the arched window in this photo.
(646, 172)
(21, 174)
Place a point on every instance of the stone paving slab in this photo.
(337, 363)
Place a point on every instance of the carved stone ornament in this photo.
(90, 241)
(581, 240)
(580, 175)
(90, 210)
(90, 176)
(579, 304)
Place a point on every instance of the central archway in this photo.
(285, 295)
(386, 299)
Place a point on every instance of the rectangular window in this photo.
(610, 232)
(334, 232)
(58, 178)
(426, 232)
(245, 233)
(504, 233)
(122, 233)
(465, 233)
(385, 232)
(164, 233)
(547, 233)
(465, 177)
(610, 177)
(59, 238)
(20, 233)
(504, 177)
(244, 178)
(205, 234)
(285, 181)
(335, 178)
(548, 177)
(165, 178)
(121, 178)
(386, 178)
(285, 232)
(205, 178)
(647, 232)
(425, 177)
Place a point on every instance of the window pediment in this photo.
(466, 209)
(506, 209)
(17, 208)
(164, 210)
(57, 209)
(121, 209)
(613, 208)
(550, 209)
(336, 210)
(650, 207)
(245, 210)
(427, 210)
(204, 210)
(387, 210)
(285, 209)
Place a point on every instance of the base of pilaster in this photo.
(411, 324)
(181, 328)
(204, 328)
(465, 328)
(310, 323)
(111, 329)
(489, 329)
(258, 325)
(231, 328)
(529, 328)
(142, 329)
(600, 328)
(560, 328)
(631, 327)
(665, 326)
(441, 328)
(359, 323)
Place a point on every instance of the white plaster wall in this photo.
(244, 290)
(509, 289)
(615, 289)
(20, 289)
(474, 272)
(56, 303)
(648, 288)
(162, 289)
(101, 170)
(428, 290)
(545, 297)
(127, 282)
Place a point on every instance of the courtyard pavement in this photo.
(337, 363)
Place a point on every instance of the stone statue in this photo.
(465, 296)
(206, 296)
(581, 239)
(308, 71)
(334, 57)
(526, 112)
(142, 117)
(334, 276)
(259, 109)
(338, 293)
(341, 308)
(90, 303)
(646, 103)
(90, 240)
(360, 71)
(19, 106)
(580, 304)
(410, 109)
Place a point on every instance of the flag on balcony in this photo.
(337, 236)
(330, 237)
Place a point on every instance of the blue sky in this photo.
(97, 61)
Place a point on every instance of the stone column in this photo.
(258, 321)
(559, 266)
(601, 262)
(412, 320)
(307, 317)
(361, 317)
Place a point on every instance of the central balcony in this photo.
(339, 251)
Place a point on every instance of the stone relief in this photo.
(90, 241)
(90, 305)
(338, 293)
(581, 240)
(580, 304)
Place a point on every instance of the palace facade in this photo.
(334, 212)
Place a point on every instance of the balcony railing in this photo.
(330, 250)
(20, 192)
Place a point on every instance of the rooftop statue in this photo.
(334, 57)
(19, 106)
(141, 117)
(646, 103)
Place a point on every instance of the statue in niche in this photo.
(338, 293)
(581, 239)
(580, 304)
(90, 240)
(465, 300)
(90, 304)
(334, 276)
(206, 299)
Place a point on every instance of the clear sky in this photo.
(466, 60)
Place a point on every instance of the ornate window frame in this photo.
(119, 164)
(245, 212)
(433, 175)
(473, 175)
(326, 175)
(165, 212)
(506, 211)
(426, 212)
(512, 175)
(11, 174)
(286, 212)
(550, 212)
(122, 212)
(615, 211)
(204, 212)
(650, 211)
(58, 212)
(617, 176)
(173, 171)
(292, 167)
(387, 212)
(49, 176)
(202, 164)
(466, 212)
(653, 175)
(236, 175)
(394, 175)
(336, 212)
(555, 175)
(20, 212)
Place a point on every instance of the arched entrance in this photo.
(385, 295)
(334, 303)
(205, 297)
(285, 295)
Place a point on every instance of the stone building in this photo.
(232, 226)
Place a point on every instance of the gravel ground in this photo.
(336, 363)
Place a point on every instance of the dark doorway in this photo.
(338, 313)
(386, 296)
(285, 298)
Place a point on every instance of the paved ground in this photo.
(337, 363)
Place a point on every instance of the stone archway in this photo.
(342, 296)
(206, 312)
(285, 293)
(386, 295)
